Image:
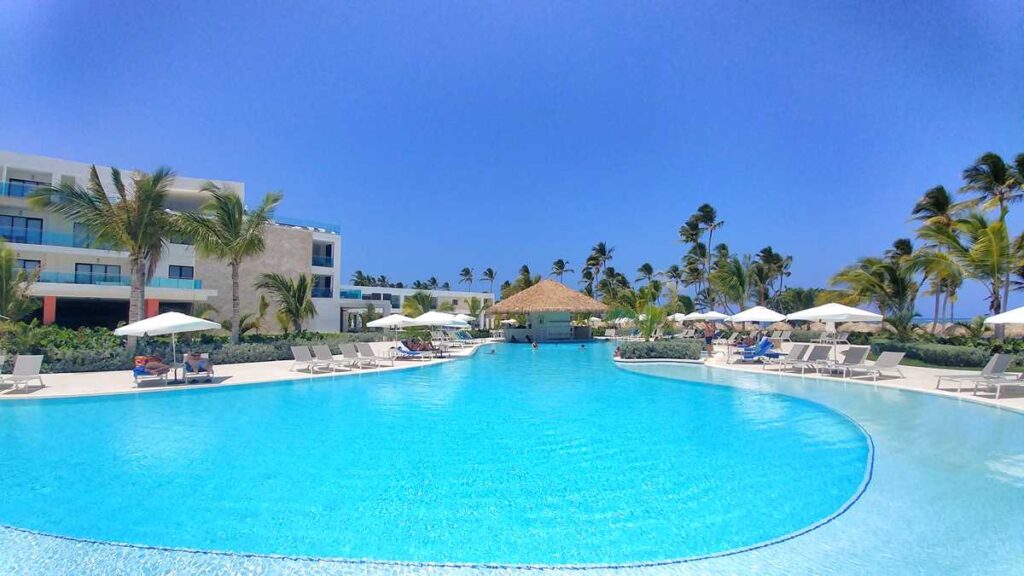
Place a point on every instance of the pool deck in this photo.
(918, 379)
(73, 384)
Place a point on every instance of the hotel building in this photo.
(82, 283)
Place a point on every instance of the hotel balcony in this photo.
(41, 238)
(114, 280)
(323, 261)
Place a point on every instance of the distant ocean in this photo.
(927, 320)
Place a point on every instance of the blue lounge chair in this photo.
(762, 350)
(403, 351)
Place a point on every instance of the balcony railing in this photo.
(18, 189)
(321, 292)
(303, 223)
(39, 237)
(351, 294)
(321, 260)
(115, 280)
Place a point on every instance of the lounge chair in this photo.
(322, 354)
(786, 336)
(366, 351)
(404, 351)
(885, 361)
(998, 384)
(203, 370)
(350, 354)
(305, 360)
(995, 369)
(796, 353)
(762, 350)
(815, 359)
(26, 369)
(843, 338)
(853, 357)
(149, 370)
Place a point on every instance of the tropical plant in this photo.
(135, 221)
(650, 320)
(888, 282)
(489, 275)
(645, 273)
(599, 257)
(936, 210)
(15, 303)
(205, 310)
(225, 230)
(731, 281)
(560, 268)
(293, 296)
(475, 306)
(466, 277)
(674, 274)
(419, 303)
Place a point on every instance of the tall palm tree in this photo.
(294, 296)
(225, 230)
(489, 275)
(587, 281)
(997, 185)
(466, 277)
(135, 221)
(599, 257)
(645, 273)
(560, 268)
(674, 274)
(706, 218)
(935, 209)
(731, 281)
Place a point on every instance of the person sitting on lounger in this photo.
(150, 366)
(195, 363)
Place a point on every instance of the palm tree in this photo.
(674, 274)
(489, 275)
(731, 280)
(935, 209)
(359, 278)
(887, 282)
(294, 296)
(587, 281)
(225, 230)
(15, 303)
(645, 273)
(997, 185)
(707, 220)
(466, 277)
(418, 303)
(135, 221)
(560, 268)
(599, 257)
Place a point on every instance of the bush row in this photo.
(674, 349)
(937, 354)
(96, 349)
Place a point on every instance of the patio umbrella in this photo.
(438, 319)
(710, 315)
(510, 322)
(393, 321)
(832, 313)
(167, 323)
(1015, 316)
(464, 317)
(757, 314)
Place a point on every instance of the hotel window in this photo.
(21, 230)
(27, 265)
(455, 302)
(321, 286)
(97, 274)
(180, 272)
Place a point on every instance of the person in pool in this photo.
(583, 347)
(534, 345)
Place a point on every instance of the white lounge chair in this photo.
(795, 354)
(885, 361)
(852, 356)
(305, 360)
(995, 369)
(366, 351)
(816, 358)
(349, 352)
(403, 351)
(26, 369)
(322, 354)
(203, 372)
(998, 384)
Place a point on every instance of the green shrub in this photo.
(936, 354)
(674, 349)
(98, 349)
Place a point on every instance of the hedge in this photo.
(97, 349)
(674, 349)
(936, 354)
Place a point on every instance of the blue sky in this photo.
(443, 135)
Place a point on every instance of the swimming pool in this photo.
(552, 457)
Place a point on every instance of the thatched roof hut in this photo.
(548, 296)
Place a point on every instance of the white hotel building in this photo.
(84, 284)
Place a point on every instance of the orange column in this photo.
(152, 307)
(49, 309)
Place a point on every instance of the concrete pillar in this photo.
(152, 307)
(49, 309)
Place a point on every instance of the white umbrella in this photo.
(464, 317)
(711, 315)
(832, 313)
(510, 322)
(167, 323)
(435, 318)
(678, 317)
(391, 321)
(757, 314)
(1015, 316)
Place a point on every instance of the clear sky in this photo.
(443, 135)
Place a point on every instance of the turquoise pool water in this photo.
(552, 456)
